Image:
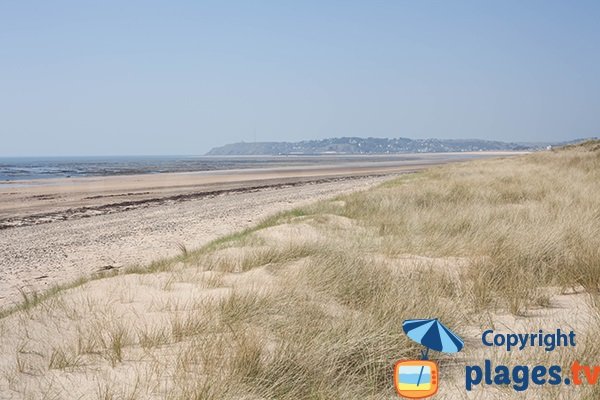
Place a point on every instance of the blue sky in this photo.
(179, 77)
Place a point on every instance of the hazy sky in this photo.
(179, 77)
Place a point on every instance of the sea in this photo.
(26, 168)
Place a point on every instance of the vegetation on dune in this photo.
(309, 303)
(525, 223)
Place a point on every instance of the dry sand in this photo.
(55, 230)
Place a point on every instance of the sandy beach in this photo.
(55, 230)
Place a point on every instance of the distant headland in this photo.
(370, 145)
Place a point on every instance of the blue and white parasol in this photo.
(432, 334)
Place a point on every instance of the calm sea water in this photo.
(24, 168)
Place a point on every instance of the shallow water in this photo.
(25, 168)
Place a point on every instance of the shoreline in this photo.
(69, 197)
(271, 162)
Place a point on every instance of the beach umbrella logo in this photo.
(418, 379)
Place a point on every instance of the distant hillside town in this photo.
(356, 145)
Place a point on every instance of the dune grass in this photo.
(309, 303)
